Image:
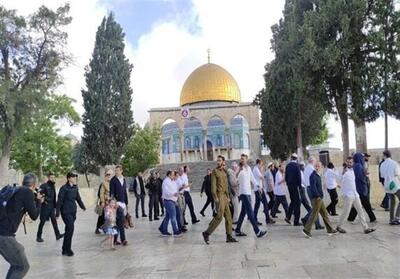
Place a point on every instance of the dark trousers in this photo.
(246, 210)
(14, 253)
(153, 206)
(140, 200)
(294, 207)
(331, 208)
(303, 199)
(120, 225)
(278, 201)
(271, 200)
(385, 202)
(69, 220)
(161, 205)
(189, 203)
(261, 198)
(367, 206)
(100, 221)
(209, 201)
(51, 214)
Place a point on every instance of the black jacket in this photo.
(48, 189)
(316, 186)
(141, 185)
(118, 191)
(206, 187)
(293, 175)
(23, 201)
(68, 196)
(152, 186)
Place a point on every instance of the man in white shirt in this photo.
(330, 179)
(186, 193)
(390, 173)
(170, 197)
(246, 178)
(280, 193)
(351, 198)
(259, 193)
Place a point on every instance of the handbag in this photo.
(128, 221)
(98, 209)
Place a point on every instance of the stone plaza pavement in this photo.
(283, 253)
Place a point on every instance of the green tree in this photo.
(82, 162)
(383, 40)
(292, 109)
(39, 148)
(142, 150)
(32, 55)
(108, 117)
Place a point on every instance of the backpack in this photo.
(6, 193)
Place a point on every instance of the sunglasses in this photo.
(108, 174)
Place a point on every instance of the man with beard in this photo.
(48, 209)
(219, 189)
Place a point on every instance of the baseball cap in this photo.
(71, 174)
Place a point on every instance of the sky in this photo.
(167, 39)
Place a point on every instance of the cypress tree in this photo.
(108, 118)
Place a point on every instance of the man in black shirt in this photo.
(23, 201)
(68, 196)
(48, 210)
(206, 187)
(140, 194)
(153, 187)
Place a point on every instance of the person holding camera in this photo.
(23, 200)
(48, 210)
(68, 196)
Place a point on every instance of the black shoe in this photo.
(339, 229)
(195, 221)
(97, 231)
(234, 223)
(184, 229)
(320, 228)
(206, 237)
(151, 220)
(68, 253)
(202, 214)
(144, 215)
(137, 216)
(39, 239)
(334, 214)
(156, 218)
(288, 221)
(258, 223)
(307, 234)
(230, 239)
(369, 230)
(278, 211)
(58, 237)
(270, 221)
(261, 234)
(240, 234)
(297, 224)
(274, 216)
(186, 223)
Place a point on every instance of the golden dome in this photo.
(210, 82)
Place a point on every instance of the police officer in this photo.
(219, 189)
(48, 210)
(67, 199)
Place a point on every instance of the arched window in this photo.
(188, 143)
(219, 140)
(196, 142)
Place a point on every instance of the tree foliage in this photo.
(142, 150)
(32, 56)
(108, 118)
(39, 148)
(82, 162)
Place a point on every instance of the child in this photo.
(110, 226)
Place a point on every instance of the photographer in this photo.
(48, 210)
(22, 201)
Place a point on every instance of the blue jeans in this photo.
(317, 223)
(170, 208)
(246, 209)
(261, 198)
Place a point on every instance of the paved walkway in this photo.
(283, 253)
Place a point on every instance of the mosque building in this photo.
(210, 120)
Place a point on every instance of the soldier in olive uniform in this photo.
(220, 193)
